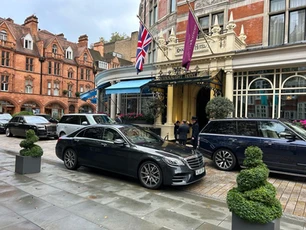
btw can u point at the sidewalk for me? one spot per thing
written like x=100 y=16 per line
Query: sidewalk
x=57 y=198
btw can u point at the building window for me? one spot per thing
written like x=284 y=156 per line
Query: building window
x=81 y=88
x=85 y=57
x=54 y=49
x=208 y=21
x=87 y=88
x=49 y=88
x=57 y=68
x=28 y=86
x=56 y=88
x=4 y=82
x=70 y=74
x=152 y=52
x=88 y=74
x=5 y=58
x=69 y=53
x=172 y=5
x=3 y=35
x=153 y=12
x=50 y=67
x=281 y=11
x=28 y=42
x=70 y=90
x=29 y=64
x=82 y=74
x=102 y=65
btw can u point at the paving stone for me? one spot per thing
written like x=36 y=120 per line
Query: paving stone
x=10 y=219
x=99 y=196
x=71 y=186
x=38 y=189
x=172 y=220
x=25 y=225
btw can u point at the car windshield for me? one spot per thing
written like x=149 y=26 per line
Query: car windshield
x=301 y=131
x=35 y=119
x=138 y=135
x=103 y=119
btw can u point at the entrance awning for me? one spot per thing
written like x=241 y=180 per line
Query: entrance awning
x=132 y=86
x=89 y=94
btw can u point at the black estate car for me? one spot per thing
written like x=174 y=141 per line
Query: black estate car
x=132 y=151
x=282 y=142
x=19 y=124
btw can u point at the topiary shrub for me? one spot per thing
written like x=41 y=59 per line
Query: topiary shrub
x=254 y=199
x=219 y=108
x=29 y=148
x=23 y=113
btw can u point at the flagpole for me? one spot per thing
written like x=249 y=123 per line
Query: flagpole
x=153 y=37
x=199 y=26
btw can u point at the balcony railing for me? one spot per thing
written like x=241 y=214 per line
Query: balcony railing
x=7 y=44
x=53 y=55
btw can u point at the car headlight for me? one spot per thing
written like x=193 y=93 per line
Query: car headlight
x=41 y=127
x=173 y=161
x=1 y=125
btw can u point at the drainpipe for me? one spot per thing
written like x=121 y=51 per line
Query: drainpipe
x=41 y=60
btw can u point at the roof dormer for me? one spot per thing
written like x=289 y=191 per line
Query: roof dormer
x=3 y=35
x=69 y=53
x=28 y=42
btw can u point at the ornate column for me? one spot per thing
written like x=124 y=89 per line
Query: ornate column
x=185 y=102
x=118 y=103
x=113 y=104
x=229 y=84
x=170 y=105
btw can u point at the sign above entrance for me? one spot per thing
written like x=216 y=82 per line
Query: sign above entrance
x=201 y=47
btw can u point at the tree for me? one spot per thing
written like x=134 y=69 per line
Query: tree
x=219 y=108
x=115 y=37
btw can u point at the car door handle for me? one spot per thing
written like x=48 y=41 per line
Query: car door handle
x=232 y=139
x=103 y=144
x=268 y=142
x=76 y=140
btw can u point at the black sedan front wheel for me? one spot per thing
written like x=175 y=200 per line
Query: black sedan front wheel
x=70 y=159
x=150 y=175
x=8 y=132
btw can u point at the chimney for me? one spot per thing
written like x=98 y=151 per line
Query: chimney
x=83 y=41
x=32 y=23
x=99 y=46
x=10 y=20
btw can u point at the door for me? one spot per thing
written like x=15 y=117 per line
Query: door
x=278 y=153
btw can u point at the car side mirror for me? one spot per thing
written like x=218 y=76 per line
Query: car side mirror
x=84 y=123
x=287 y=136
x=119 y=142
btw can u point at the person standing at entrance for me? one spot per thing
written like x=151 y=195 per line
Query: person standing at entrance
x=195 y=132
x=182 y=131
x=176 y=126
x=118 y=118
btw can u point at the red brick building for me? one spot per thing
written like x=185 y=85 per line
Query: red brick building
x=44 y=72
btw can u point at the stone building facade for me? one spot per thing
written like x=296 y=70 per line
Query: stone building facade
x=43 y=72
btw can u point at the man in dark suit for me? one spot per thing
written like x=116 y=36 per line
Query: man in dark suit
x=118 y=118
x=182 y=131
x=195 y=132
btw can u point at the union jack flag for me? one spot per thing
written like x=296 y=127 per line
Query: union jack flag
x=144 y=39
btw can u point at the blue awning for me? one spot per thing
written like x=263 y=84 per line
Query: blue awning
x=132 y=86
x=91 y=93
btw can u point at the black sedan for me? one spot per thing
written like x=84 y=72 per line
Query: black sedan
x=132 y=151
x=4 y=119
x=20 y=124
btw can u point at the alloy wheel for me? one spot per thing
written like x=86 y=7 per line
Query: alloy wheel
x=224 y=159
x=70 y=159
x=8 y=132
x=150 y=175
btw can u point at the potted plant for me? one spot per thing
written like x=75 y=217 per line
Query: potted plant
x=29 y=160
x=77 y=94
x=219 y=108
x=253 y=203
x=65 y=92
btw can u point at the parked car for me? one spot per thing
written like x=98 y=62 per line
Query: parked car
x=48 y=117
x=19 y=124
x=72 y=122
x=133 y=151
x=4 y=119
x=283 y=143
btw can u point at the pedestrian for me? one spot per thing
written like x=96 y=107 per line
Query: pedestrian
x=195 y=131
x=183 y=130
x=176 y=126
x=118 y=118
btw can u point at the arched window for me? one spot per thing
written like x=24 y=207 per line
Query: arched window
x=54 y=49
x=85 y=57
x=3 y=35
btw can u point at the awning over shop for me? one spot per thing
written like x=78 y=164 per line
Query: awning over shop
x=132 y=86
x=91 y=93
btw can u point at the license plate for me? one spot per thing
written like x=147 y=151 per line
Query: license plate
x=199 y=171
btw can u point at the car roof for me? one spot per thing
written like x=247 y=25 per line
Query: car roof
x=76 y=114
x=247 y=119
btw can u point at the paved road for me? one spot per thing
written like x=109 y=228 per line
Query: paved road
x=291 y=190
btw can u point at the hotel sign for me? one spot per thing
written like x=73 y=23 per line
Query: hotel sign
x=199 y=47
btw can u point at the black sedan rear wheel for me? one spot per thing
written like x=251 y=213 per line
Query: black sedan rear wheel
x=70 y=159
x=224 y=159
x=150 y=175
x=8 y=132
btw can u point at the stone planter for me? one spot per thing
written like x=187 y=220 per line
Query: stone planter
x=240 y=224
x=26 y=164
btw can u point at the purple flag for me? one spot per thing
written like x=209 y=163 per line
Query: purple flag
x=191 y=37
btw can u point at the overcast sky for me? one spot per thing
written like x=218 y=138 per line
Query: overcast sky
x=96 y=18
